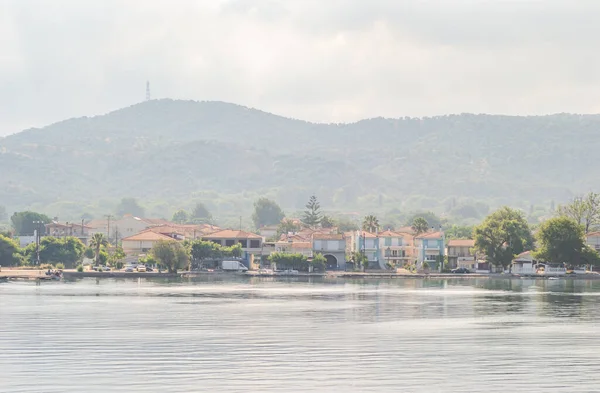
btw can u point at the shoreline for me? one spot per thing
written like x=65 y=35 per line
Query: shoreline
x=17 y=274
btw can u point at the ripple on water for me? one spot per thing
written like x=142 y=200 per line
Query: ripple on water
x=146 y=336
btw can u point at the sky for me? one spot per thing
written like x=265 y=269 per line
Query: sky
x=316 y=60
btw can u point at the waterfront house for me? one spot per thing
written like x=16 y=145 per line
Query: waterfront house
x=430 y=248
x=295 y=247
x=366 y=243
x=143 y=242
x=524 y=263
x=125 y=226
x=251 y=243
x=397 y=248
x=333 y=248
x=593 y=240
x=268 y=231
x=460 y=253
x=75 y=229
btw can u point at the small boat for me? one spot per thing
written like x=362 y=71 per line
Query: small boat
x=54 y=275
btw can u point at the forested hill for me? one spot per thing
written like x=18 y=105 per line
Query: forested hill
x=165 y=149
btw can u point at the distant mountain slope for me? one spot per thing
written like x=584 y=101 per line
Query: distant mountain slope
x=166 y=148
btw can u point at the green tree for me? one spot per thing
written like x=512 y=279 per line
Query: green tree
x=23 y=222
x=180 y=217
x=89 y=253
x=96 y=242
x=170 y=254
x=502 y=235
x=584 y=211
x=9 y=252
x=117 y=255
x=289 y=261
x=561 y=240
x=432 y=219
x=266 y=212
x=459 y=232
x=200 y=214
x=319 y=262
x=345 y=225
x=359 y=259
x=370 y=223
x=312 y=216
x=201 y=251
x=129 y=206
x=287 y=226
x=419 y=225
x=327 y=222
x=53 y=250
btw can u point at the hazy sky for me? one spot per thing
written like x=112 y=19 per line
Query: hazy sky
x=319 y=60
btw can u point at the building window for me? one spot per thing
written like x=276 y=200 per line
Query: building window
x=229 y=242
x=388 y=241
x=254 y=243
x=244 y=243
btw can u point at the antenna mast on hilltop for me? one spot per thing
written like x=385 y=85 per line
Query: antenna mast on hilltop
x=147 y=90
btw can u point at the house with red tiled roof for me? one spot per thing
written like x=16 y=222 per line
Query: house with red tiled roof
x=143 y=242
x=381 y=248
x=333 y=247
x=251 y=243
x=125 y=226
x=430 y=247
x=76 y=229
x=304 y=248
x=461 y=254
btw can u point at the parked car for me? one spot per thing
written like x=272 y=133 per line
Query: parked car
x=149 y=269
x=129 y=269
x=141 y=268
x=101 y=268
x=460 y=270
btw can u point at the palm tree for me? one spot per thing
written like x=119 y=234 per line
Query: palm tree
x=370 y=223
x=420 y=225
x=96 y=242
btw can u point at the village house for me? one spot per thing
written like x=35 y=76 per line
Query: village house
x=397 y=248
x=366 y=243
x=430 y=248
x=251 y=243
x=593 y=240
x=123 y=227
x=461 y=254
x=524 y=263
x=142 y=243
x=75 y=229
x=333 y=248
x=268 y=231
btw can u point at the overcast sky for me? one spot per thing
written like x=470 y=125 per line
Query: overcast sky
x=319 y=60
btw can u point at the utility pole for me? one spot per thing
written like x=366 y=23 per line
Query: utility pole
x=240 y=223
x=116 y=236
x=36 y=233
x=108 y=217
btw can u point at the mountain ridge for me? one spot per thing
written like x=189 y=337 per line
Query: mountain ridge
x=229 y=149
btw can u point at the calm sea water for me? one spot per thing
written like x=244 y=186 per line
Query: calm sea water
x=265 y=335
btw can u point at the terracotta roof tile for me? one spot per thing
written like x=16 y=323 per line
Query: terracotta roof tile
x=327 y=236
x=232 y=234
x=461 y=243
x=148 y=236
x=431 y=235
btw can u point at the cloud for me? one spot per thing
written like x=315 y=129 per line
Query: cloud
x=335 y=60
